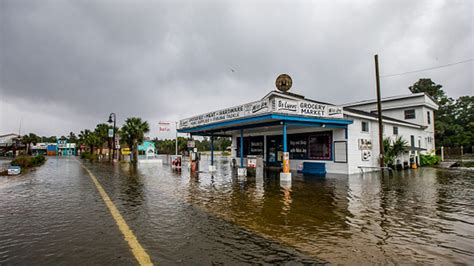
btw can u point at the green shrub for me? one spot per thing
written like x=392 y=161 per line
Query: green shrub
x=429 y=160
x=85 y=155
x=89 y=156
x=22 y=161
x=28 y=161
x=38 y=160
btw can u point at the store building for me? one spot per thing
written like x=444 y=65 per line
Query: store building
x=60 y=148
x=291 y=131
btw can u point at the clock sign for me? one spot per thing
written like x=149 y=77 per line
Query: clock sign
x=283 y=82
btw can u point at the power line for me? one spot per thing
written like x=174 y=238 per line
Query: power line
x=430 y=68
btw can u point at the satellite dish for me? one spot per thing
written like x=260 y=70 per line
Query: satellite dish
x=284 y=82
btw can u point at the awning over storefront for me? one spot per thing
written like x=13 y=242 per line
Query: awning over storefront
x=276 y=108
x=224 y=128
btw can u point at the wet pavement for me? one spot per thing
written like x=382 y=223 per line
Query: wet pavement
x=54 y=215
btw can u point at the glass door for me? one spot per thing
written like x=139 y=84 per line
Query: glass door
x=274 y=150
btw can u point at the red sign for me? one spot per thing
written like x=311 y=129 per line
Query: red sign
x=164 y=126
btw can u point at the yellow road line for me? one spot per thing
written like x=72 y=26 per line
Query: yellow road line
x=137 y=249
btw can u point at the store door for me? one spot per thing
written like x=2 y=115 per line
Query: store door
x=274 y=150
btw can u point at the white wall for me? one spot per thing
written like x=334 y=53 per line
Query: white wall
x=354 y=154
x=355 y=133
x=396 y=109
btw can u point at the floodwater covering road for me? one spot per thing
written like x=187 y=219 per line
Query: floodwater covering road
x=55 y=215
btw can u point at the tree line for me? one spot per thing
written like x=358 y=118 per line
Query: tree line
x=167 y=146
x=132 y=133
x=454 y=120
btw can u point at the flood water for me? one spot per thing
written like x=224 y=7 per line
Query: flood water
x=54 y=215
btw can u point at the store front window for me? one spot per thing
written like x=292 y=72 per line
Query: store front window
x=305 y=146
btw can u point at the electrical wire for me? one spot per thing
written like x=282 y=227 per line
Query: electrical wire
x=426 y=69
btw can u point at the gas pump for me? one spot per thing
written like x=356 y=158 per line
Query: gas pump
x=194 y=157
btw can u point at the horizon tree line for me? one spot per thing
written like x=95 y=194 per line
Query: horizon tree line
x=132 y=133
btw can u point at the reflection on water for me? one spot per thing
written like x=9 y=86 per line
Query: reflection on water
x=54 y=215
x=424 y=215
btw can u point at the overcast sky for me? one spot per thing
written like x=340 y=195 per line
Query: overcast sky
x=65 y=65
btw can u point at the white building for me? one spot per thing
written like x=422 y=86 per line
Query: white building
x=8 y=140
x=340 y=139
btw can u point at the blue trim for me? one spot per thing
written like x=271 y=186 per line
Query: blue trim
x=275 y=117
x=241 y=148
x=312 y=120
x=284 y=138
x=346 y=132
x=306 y=124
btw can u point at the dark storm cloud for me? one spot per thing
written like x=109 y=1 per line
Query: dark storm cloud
x=79 y=60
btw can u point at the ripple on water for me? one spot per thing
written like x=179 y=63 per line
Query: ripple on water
x=415 y=216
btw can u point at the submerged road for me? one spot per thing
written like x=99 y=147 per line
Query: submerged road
x=70 y=212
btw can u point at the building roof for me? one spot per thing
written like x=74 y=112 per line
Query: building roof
x=9 y=135
x=391 y=98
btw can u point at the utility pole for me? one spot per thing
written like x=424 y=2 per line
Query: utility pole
x=176 y=142
x=379 y=110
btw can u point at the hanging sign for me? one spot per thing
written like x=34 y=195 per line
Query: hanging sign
x=111 y=132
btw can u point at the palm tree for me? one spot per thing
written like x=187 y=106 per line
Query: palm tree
x=133 y=133
x=29 y=139
x=72 y=137
x=393 y=150
x=90 y=139
x=102 y=132
x=27 y=142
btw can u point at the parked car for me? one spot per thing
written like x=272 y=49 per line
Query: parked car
x=14 y=170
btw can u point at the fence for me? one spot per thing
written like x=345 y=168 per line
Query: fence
x=455 y=153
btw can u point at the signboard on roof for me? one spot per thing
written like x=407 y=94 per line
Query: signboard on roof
x=307 y=108
x=277 y=105
x=231 y=113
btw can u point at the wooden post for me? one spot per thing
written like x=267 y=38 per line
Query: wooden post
x=379 y=110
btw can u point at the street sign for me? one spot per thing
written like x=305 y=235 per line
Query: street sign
x=111 y=132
